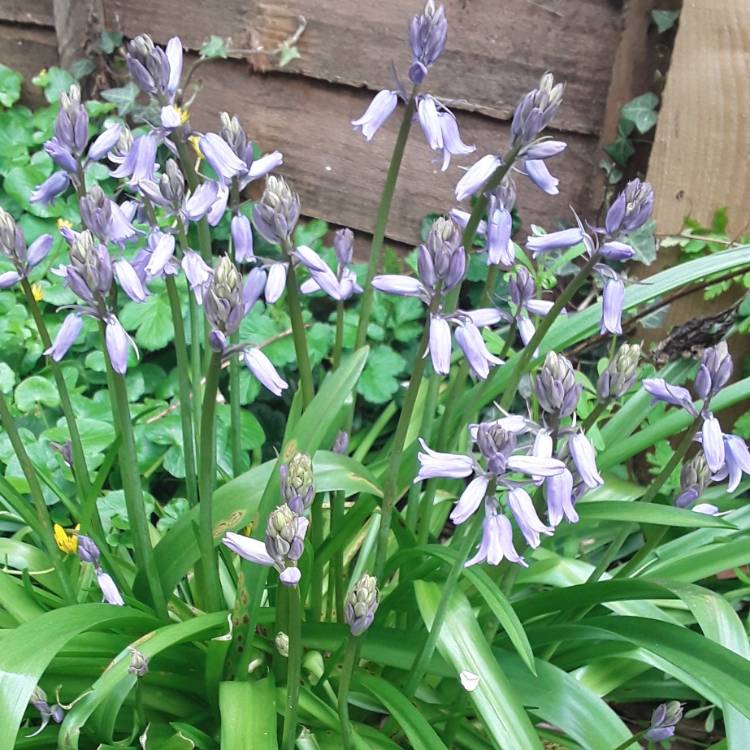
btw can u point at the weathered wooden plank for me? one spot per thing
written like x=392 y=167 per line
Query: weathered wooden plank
x=339 y=176
x=496 y=50
x=77 y=22
x=28 y=50
x=36 y=12
x=701 y=155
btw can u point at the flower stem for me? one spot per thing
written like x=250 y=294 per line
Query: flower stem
x=338 y=512
x=235 y=409
x=317 y=537
x=338 y=345
x=206 y=479
x=132 y=490
x=351 y=658
x=80 y=470
x=628 y=743
x=44 y=528
x=390 y=487
x=462 y=553
x=294 y=668
x=528 y=351
x=381 y=222
x=183 y=382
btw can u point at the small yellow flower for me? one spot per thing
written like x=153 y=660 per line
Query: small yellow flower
x=37 y=291
x=194 y=141
x=184 y=114
x=68 y=543
x=64 y=224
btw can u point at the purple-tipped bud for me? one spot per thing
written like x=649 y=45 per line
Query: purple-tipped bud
x=379 y=110
x=56 y=184
x=446 y=254
x=343 y=244
x=87 y=550
x=341 y=443
x=138 y=663
x=613 y=299
x=427 y=35
x=275 y=215
x=233 y=133
x=556 y=386
x=536 y=110
x=664 y=720
x=521 y=287
x=714 y=370
x=298 y=483
x=361 y=604
x=631 y=209
x=72 y=122
x=620 y=374
x=155 y=71
x=285 y=542
x=223 y=302
x=694 y=478
x=242 y=239
x=260 y=366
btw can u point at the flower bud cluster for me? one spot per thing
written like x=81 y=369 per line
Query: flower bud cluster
x=427 y=35
x=556 y=386
x=276 y=214
x=620 y=374
x=13 y=247
x=154 y=70
x=536 y=111
x=361 y=604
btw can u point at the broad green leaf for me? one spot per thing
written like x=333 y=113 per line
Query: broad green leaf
x=461 y=642
x=151 y=320
x=641 y=111
x=117 y=681
x=215 y=47
x=417 y=729
x=561 y=700
x=706 y=561
x=664 y=20
x=248 y=715
x=54 y=81
x=379 y=380
x=16 y=601
x=635 y=512
x=10 y=86
x=29 y=648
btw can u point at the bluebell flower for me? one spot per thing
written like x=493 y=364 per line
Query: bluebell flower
x=378 y=111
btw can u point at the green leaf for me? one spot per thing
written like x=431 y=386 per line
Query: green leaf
x=644 y=243
x=215 y=47
x=36 y=390
x=287 y=53
x=664 y=20
x=54 y=81
x=151 y=320
x=10 y=86
x=248 y=715
x=641 y=111
x=28 y=649
x=379 y=380
x=651 y=513
x=417 y=729
x=461 y=643
x=7 y=378
x=20 y=182
x=123 y=98
x=109 y=41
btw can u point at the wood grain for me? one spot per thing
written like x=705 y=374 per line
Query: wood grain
x=36 y=12
x=339 y=176
x=496 y=51
x=28 y=50
x=701 y=155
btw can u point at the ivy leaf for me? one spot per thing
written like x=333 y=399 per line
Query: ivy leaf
x=36 y=390
x=644 y=243
x=53 y=82
x=379 y=380
x=641 y=111
x=215 y=47
x=664 y=20
x=151 y=320
x=620 y=151
x=109 y=41
x=123 y=97
x=10 y=86
x=287 y=53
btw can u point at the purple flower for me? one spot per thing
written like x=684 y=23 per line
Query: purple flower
x=555 y=240
x=675 y=395
x=66 y=337
x=201 y=200
x=541 y=150
x=380 y=109
x=61 y=155
x=197 y=272
x=664 y=719
x=500 y=250
x=472 y=344
x=242 y=239
x=56 y=184
x=440 y=344
x=105 y=218
x=220 y=156
x=449 y=465
x=118 y=343
x=713 y=442
x=161 y=254
x=538 y=173
x=324 y=277
x=427 y=35
x=714 y=370
x=452 y=143
x=129 y=281
x=262 y=166
x=558 y=493
x=249 y=549
x=9 y=279
x=522 y=507
x=631 y=209
x=613 y=299
x=476 y=176
x=260 y=366
x=584 y=458
x=737 y=460
x=403 y=286
x=496 y=543
x=616 y=251
x=430 y=122
x=276 y=282
x=140 y=162
x=110 y=592
x=155 y=71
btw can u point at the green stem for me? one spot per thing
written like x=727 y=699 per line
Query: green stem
x=528 y=351
x=212 y=599
x=593 y=416
x=338 y=513
x=347 y=671
x=462 y=553
x=132 y=490
x=183 y=382
x=339 y=343
x=80 y=470
x=628 y=743
x=235 y=409
x=35 y=490
x=294 y=668
x=317 y=537
x=390 y=487
x=298 y=330
x=381 y=222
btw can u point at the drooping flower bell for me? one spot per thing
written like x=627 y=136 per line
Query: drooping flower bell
x=361 y=604
x=47 y=713
x=298 y=483
x=664 y=721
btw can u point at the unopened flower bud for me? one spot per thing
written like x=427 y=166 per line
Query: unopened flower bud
x=664 y=719
x=8 y=234
x=87 y=549
x=234 y=134
x=536 y=110
x=281 y=641
x=172 y=183
x=343 y=243
x=285 y=542
x=521 y=287
x=694 y=478
x=72 y=122
x=620 y=374
x=91 y=269
x=341 y=443
x=556 y=386
x=714 y=370
x=493 y=441
x=361 y=604
x=297 y=483
x=223 y=300
x=138 y=662
x=275 y=215
x=427 y=35
x=631 y=209
x=442 y=259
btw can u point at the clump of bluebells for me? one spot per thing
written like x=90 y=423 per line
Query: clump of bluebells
x=502 y=425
